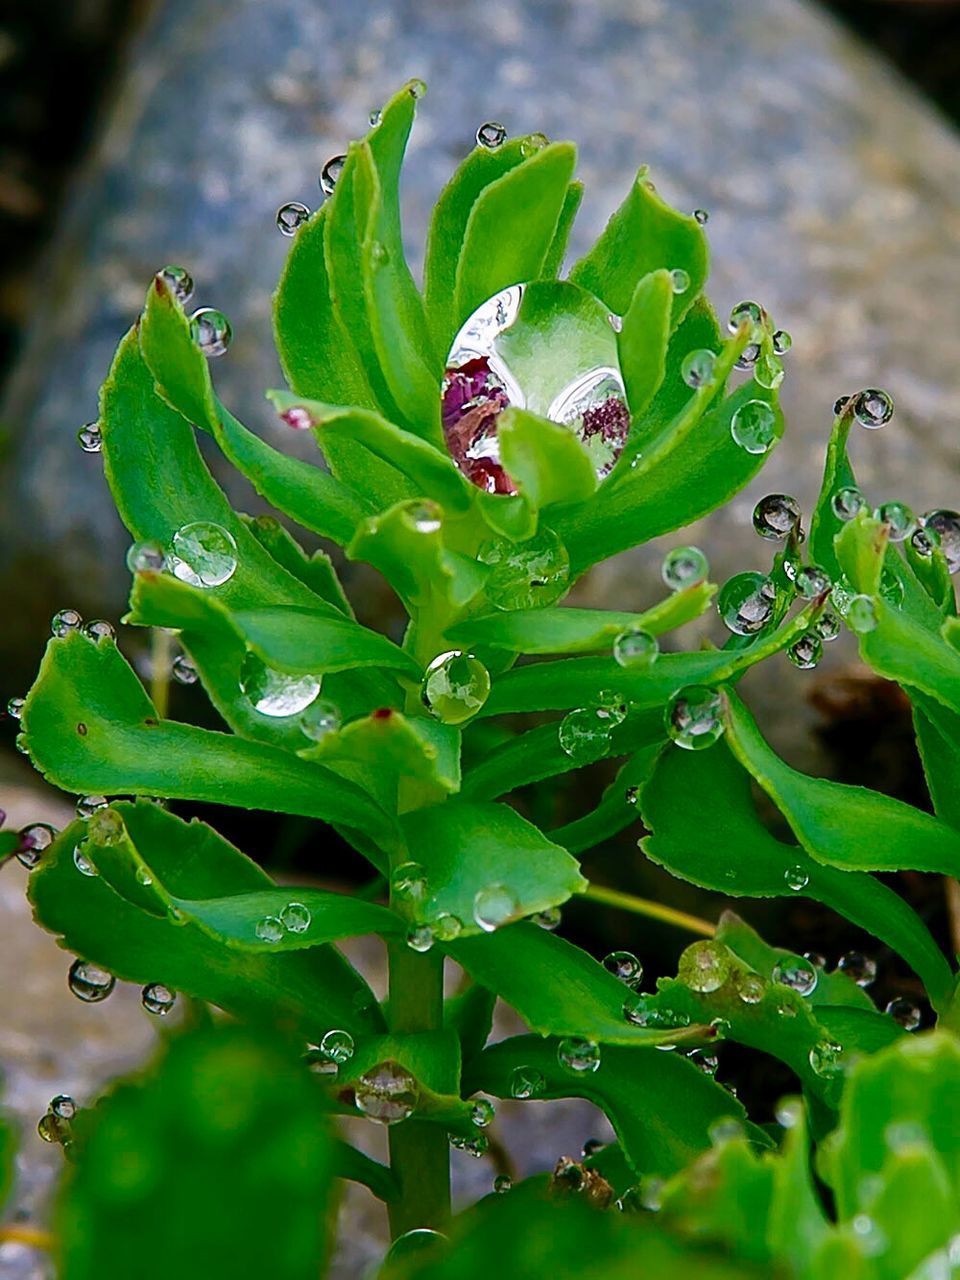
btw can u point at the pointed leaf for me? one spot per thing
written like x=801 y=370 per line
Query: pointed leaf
x=546 y=461
x=643 y=338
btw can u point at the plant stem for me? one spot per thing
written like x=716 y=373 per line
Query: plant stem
x=32 y=1237
x=419 y=1152
x=653 y=910
x=161 y=647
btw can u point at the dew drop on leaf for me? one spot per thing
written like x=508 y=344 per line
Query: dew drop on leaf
x=211 y=331
x=32 y=841
x=319 y=719
x=704 y=966
x=421 y=938
x=158 y=999
x=776 y=516
x=749 y=313
x=749 y=987
x=694 y=717
x=295 y=917
x=679 y=280
x=861 y=614
x=701 y=216
x=684 y=567
x=491 y=135
x=549 y=919
x=455 y=686
x=635 y=647
x=338 y=1046
x=745 y=603
x=861 y=968
x=269 y=929
x=178 y=281
x=409 y=882
x=753 y=426
x=291 y=217
x=275 y=693
x=847 y=502
x=183 y=670
x=482 y=1112
x=526 y=1082
x=898 y=518
x=904 y=1012
x=493 y=906
x=83 y=863
x=98 y=630
x=146 y=557
x=825 y=1058
x=578 y=1055
x=89 y=437
x=15 y=708
x=811 y=581
x=526 y=575
x=796 y=878
x=796 y=973
x=625 y=966
x=872 y=408
x=806 y=652
x=502 y=1183
x=697 y=367
x=387 y=1093
x=204 y=554
x=330 y=172
x=945 y=526
x=89 y=982
x=65 y=621
x=584 y=734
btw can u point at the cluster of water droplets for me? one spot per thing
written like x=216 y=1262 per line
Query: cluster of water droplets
x=56 y=1125
x=294 y=918
x=586 y=733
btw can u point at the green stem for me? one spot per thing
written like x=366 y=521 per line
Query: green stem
x=419 y=1152
x=652 y=910
x=161 y=648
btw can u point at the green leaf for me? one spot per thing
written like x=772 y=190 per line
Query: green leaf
x=353 y=1165
x=179 y=1136
x=558 y=245
x=316 y=571
x=617 y=807
x=308 y=991
x=469 y=851
x=938 y=741
x=545 y=460
x=825 y=524
x=556 y=988
x=763 y=865
x=658 y=1136
x=644 y=235
x=9 y=844
x=470 y=1015
x=568 y=630
x=511 y=227
x=643 y=339
x=697 y=331
x=124 y=748
x=8 y=1150
x=432 y=1058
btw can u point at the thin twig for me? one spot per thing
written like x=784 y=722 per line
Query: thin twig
x=33 y=1237
x=161 y=648
x=653 y=910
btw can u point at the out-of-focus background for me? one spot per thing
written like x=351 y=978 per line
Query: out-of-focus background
x=822 y=138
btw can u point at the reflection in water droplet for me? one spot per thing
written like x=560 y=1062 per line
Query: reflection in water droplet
x=861 y=614
x=684 y=567
x=625 y=966
x=825 y=1058
x=482 y=1112
x=861 y=968
x=491 y=134
x=811 y=581
x=98 y=630
x=827 y=626
x=420 y=938
x=337 y=1046
x=319 y=719
x=796 y=973
x=694 y=717
x=776 y=516
x=595 y=409
x=387 y=1093
x=446 y=927
x=697 y=367
x=635 y=647
x=426 y=517
x=578 y=1055
x=749 y=313
x=90 y=438
x=183 y=670
x=53 y=1128
x=269 y=929
x=15 y=708
x=704 y=966
x=526 y=575
x=158 y=999
x=146 y=557
x=88 y=805
x=455 y=686
x=796 y=878
x=295 y=917
x=409 y=882
x=205 y=554
x=527 y=1082
x=32 y=841
x=275 y=693
x=904 y=1012
x=89 y=982
x=806 y=652
x=549 y=919
x=330 y=173
x=83 y=863
x=749 y=987
x=291 y=217
x=847 y=502
x=679 y=280
x=782 y=342
x=211 y=331
x=753 y=426
x=745 y=603
x=179 y=282
x=495 y=905
x=872 y=408
x=65 y=621
x=945 y=526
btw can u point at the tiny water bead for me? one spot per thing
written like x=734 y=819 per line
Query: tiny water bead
x=776 y=516
x=861 y=614
x=945 y=526
x=806 y=652
x=179 y=281
x=387 y=1093
x=753 y=426
x=526 y=575
x=702 y=216
x=88 y=805
x=625 y=966
x=338 y=1046
x=211 y=331
x=697 y=367
x=782 y=342
x=275 y=693
x=578 y=1055
x=426 y=517
x=476 y=1146
x=704 y=966
x=420 y=938
x=409 y=882
x=825 y=1058
x=269 y=929
x=183 y=670
x=205 y=554
x=635 y=647
x=847 y=502
x=90 y=438
x=745 y=603
x=491 y=135
x=684 y=567
x=295 y=917
x=584 y=734
x=98 y=630
x=796 y=973
x=502 y=1183
x=549 y=919
x=861 y=968
x=694 y=717
x=827 y=626
x=446 y=927
x=105 y=827
x=319 y=719
x=749 y=987
x=330 y=172
x=679 y=280
x=291 y=217
x=15 y=708
x=482 y=1112
x=898 y=518
x=812 y=581
x=146 y=557
x=455 y=686
x=89 y=982
x=527 y=1082
x=65 y=621
x=32 y=841
x=872 y=408
x=904 y=1012
x=796 y=878
x=493 y=906
x=746 y=313
x=83 y=863
x=158 y=999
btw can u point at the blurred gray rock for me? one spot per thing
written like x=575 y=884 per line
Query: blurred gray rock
x=832 y=189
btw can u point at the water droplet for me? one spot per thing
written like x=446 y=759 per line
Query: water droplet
x=862 y=969
x=270 y=929
x=704 y=966
x=495 y=905
x=91 y=441
x=748 y=356
x=725 y=1129
x=584 y=734
x=861 y=614
x=578 y=1055
x=65 y=621
x=923 y=542
x=387 y=1093
x=51 y=1128
x=533 y=143
x=625 y=966
x=745 y=603
x=83 y=863
x=291 y=217
x=145 y=878
x=409 y=882
x=825 y=1058
x=945 y=526
x=319 y=719
x=782 y=342
x=205 y=554
x=105 y=827
x=375 y=117
x=158 y=999
x=749 y=987
x=702 y=216
x=88 y=805
x=338 y=1046
x=295 y=917
x=812 y=581
x=275 y=693
x=502 y=1183
x=146 y=557
x=872 y=408
x=679 y=280
x=898 y=518
x=827 y=626
x=527 y=575
x=482 y=1112
x=796 y=878
x=32 y=841
x=697 y=367
x=211 y=331
x=632 y=795
x=635 y=647
x=776 y=516
x=684 y=567
x=98 y=630
x=796 y=973
x=420 y=938
x=417 y=88
x=183 y=670
x=15 y=708
x=594 y=407
x=847 y=502
x=526 y=1082
x=749 y=313
x=904 y=1012
x=476 y=1146
x=330 y=172
x=549 y=919
x=63 y=1107
x=491 y=135
x=753 y=426
x=446 y=927
x=455 y=686
x=89 y=982
x=694 y=718
x=179 y=282
x=425 y=517
x=806 y=652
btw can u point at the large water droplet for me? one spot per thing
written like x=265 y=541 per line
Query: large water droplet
x=420 y=938
x=89 y=982
x=753 y=426
x=526 y=575
x=275 y=693
x=387 y=1093
x=898 y=518
x=409 y=882
x=578 y=1055
x=269 y=929
x=295 y=917
x=158 y=999
x=491 y=134
x=776 y=516
x=495 y=905
x=54 y=1129
x=745 y=603
x=88 y=805
x=205 y=554
x=211 y=331
x=65 y=621
x=625 y=966
x=146 y=557
x=796 y=973
x=697 y=367
x=694 y=717
x=747 y=313
x=527 y=1082
x=684 y=567
x=338 y=1046
x=847 y=502
x=861 y=614
x=32 y=841
x=179 y=281
x=945 y=525
x=98 y=630
x=904 y=1012
x=861 y=968
x=291 y=217
x=105 y=827
x=330 y=172
x=89 y=437
x=825 y=1058
x=704 y=966
x=455 y=686
x=635 y=647
x=584 y=734
x=872 y=408
x=806 y=652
